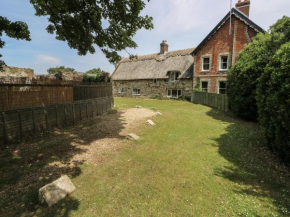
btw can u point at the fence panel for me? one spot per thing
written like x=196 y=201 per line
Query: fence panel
x=218 y=101
x=14 y=96
x=15 y=124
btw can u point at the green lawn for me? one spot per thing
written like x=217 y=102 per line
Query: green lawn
x=196 y=161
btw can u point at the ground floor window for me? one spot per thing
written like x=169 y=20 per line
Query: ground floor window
x=204 y=86
x=222 y=87
x=136 y=91
x=174 y=93
x=121 y=90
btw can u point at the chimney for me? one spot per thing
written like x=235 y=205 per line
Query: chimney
x=164 y=47
x=244 y=7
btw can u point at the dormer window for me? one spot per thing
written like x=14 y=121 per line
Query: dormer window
x=173 y=76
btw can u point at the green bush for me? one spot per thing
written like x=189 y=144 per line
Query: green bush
x=273 y=96
x=243 y=76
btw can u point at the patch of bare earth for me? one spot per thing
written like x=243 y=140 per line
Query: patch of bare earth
x=97 y=150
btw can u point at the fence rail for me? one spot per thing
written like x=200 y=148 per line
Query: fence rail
x=15 y=124
x=218 y=101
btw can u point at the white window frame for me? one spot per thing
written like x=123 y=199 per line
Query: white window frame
x=222 y=88
x=209 y=64
x=173 y=75
x=203 y=88
x=121 y=90
x=220 y=62
x=138 y=92
x=170 y=95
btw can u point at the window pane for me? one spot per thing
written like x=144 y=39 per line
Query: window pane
x=171 y=76
x=174 y=93
x=176 y=76
x=179 y=93
x=224 y=62
x=206 y=63
x=204 y=86
x=168 y=92
x=222 y=84
x=222 y=87
x=206 y=60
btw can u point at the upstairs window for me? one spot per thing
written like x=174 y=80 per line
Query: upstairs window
x=205 y=63
x=136 y=92
x=222 y=87
x=204 y=86
x=224 y=63
x=155 y=81
x=173 y=76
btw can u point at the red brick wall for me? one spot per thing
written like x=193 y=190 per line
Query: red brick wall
x=222 y=43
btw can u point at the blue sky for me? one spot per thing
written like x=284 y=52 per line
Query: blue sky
x=183 y=23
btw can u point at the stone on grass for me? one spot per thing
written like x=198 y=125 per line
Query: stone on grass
x=138 y=106
x=150 y=123
x=158 y=114
x=133 y=137
x=53 y=192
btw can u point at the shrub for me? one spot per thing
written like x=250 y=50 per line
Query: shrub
x=243 y=76
x=273 y=97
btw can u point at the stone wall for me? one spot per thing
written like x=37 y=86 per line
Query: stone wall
x=150 y=89
x=16 y=72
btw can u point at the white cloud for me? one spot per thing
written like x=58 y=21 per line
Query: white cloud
x=48 y=59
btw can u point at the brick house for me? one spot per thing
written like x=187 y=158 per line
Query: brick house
x=175 y=73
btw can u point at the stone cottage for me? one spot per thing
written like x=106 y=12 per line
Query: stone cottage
x=175 y=73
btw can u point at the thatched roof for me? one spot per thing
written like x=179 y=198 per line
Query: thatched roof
x=155 y=66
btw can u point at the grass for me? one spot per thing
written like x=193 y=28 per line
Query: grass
x=196 y=161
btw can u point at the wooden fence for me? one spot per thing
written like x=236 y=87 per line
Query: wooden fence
x=15 y=124
x=218 y=101
x=14 y=96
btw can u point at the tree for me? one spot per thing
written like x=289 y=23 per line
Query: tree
x=83 y=24
x=243 y=76
x=53 y=71
x=96 y=75
x=110 y=25
x=18 y=30
x=273 y=97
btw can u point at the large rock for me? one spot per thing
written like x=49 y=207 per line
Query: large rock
x=158 y=114
x=150 y=123
x=54 y=192
x=133 y=137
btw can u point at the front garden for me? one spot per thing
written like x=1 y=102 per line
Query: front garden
x=196 y=161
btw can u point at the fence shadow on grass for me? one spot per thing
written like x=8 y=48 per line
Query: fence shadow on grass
x=255 y=167
x=27 y=166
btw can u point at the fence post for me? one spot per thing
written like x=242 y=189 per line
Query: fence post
x=4 y=127
x=65 y=115
x=20 y=123
x=74 y=115
x=33 y=121
x=56 y=116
